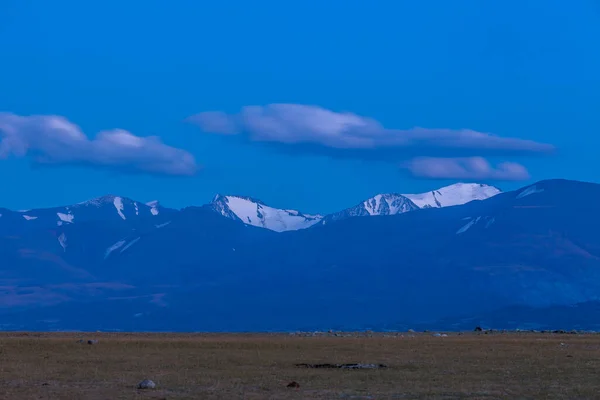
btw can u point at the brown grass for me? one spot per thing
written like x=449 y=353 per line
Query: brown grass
x=509 y=366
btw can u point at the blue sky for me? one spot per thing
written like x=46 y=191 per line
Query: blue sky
x=526 y=70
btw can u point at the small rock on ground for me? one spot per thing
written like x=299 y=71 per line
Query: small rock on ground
x=146 y=384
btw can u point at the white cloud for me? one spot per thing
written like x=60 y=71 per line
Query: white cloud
x=51 y=139
x=465 y=168
x=313 y=125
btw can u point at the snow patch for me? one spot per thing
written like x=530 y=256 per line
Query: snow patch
x=137 y=211
x=161 y=225
x=134 y=241
x=473 y=221
x=118 y=202
x=529 y=191
x=62 y=240
x=153 y=207
x=467 y=226
x=112 y=248
x=29 y=217
x=65 y=217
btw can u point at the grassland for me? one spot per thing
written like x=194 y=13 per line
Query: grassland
x=510 y=366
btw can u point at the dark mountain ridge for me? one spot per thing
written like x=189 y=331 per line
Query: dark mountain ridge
x=194 y=269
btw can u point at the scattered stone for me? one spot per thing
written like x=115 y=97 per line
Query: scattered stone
x=343 y=366
x=478 y=329
x=45 y=384
x=146 y=384
x=294 y=385
x=362 y=366
x=91 y=342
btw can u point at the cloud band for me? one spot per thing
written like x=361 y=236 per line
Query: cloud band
x=51 y=139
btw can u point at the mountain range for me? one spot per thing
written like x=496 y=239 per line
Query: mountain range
x=466 y=252
x=256 y=213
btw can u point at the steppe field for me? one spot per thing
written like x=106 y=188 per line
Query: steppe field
x=231 y=366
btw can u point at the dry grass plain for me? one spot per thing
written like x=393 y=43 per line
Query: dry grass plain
x=202 y=366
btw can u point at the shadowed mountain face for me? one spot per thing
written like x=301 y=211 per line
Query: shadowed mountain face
x=199 y=269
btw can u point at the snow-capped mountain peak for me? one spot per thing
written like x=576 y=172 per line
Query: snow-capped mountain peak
x=109 y=207
x=254 y=212
x=388 y=204
x=381 y=204
x=251 y=211
x=121 y=206
x=99 y=201
x=453 y=195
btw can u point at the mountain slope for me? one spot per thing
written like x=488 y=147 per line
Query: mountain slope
x=255 y=213
x=457 y=194
x=529 y=248
x=116 y=209
x=382 y=204
x=109 y=207
x=538 y=251
x=72 y=241
x=393 y=203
